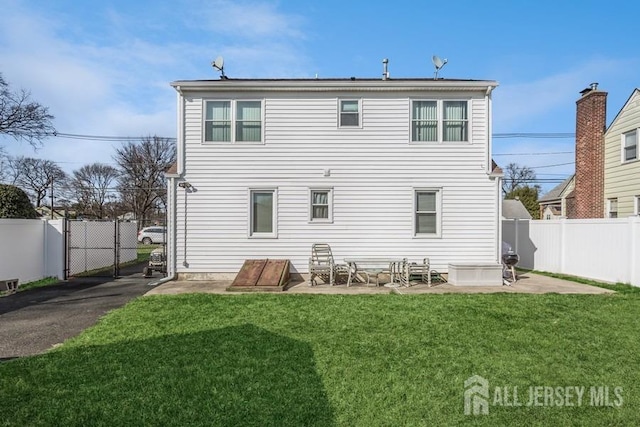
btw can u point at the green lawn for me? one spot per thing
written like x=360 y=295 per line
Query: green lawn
x=303 y=360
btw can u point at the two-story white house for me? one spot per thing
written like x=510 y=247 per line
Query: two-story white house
x=373 y=167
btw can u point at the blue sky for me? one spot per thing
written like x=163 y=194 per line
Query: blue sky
x=103 y=68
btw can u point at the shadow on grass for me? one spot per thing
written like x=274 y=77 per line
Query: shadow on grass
x=241 y=375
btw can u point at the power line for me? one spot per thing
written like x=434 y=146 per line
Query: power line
x=108 y=138
x=533 y=154
x=549 y=135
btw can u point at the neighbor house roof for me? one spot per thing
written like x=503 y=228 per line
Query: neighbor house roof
x=514 y=209
x=556 y=192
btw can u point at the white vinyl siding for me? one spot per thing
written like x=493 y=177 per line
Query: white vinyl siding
x=233 y=121
x=372 y=173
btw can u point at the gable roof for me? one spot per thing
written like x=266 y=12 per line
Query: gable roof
x=635 y=92
x=556 y=192
x=514 y=209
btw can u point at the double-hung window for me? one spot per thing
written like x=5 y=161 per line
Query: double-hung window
x=263 y=213
x=612 y=207
x=424 y=121
x=630 y=146
x=439 y=120
x=320 y=205
x=427 y=212
x=349 y=113
x=233 y=121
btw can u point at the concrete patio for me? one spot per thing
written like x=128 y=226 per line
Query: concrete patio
x=528 y=283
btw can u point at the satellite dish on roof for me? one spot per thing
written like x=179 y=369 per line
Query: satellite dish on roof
x=218 y=64
x=438 y=63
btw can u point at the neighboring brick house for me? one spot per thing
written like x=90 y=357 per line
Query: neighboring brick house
x=606 y=183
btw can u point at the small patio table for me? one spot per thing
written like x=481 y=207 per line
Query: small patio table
x=373 y=266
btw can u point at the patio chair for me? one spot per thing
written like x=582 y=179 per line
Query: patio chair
x=423 y=270
x=322 y=265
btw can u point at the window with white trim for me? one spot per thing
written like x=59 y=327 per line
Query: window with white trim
x=349 y=113
x=439 y=120
x=233 y=121
x=630 y=146
x=612 y=208
x=263 y=213
x=321 y=205
x=427 y=212
x=636 y=205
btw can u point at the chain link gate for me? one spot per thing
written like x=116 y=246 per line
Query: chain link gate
x=99 y=247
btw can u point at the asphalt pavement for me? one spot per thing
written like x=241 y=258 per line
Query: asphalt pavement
x=35 y=320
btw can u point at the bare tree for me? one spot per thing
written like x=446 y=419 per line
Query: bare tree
x=36 y=176
x=22 y=118
x=516 y=176
x=141 y=183
x=92 y=185
x=4 y=165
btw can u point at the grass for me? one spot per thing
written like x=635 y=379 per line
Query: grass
x=47 y=281
x=324 y=360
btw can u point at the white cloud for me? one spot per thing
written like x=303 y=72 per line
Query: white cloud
x=526 y=103
x=112 y=77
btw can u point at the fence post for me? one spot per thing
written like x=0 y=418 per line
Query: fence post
x=634 y=266
x=563 y=245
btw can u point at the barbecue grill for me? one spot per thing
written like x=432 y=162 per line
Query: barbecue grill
x=509 y=260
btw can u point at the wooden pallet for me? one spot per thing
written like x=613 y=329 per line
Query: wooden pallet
x=270 y=275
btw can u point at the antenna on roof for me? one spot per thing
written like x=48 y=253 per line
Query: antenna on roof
x=438 y=63
x=385 y=69
x=218 y=64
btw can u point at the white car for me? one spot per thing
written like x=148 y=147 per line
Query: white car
x=152 y=235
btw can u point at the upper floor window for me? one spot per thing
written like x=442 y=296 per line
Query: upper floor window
x=233 y=121
x=349 y=113
x=433 y=121
x=630 y=146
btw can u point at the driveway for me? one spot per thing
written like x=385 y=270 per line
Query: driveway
x=33 y=321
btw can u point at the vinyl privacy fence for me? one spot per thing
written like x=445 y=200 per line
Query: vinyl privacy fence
x=32 y=249
x=599 y=249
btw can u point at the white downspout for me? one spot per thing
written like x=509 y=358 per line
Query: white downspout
x=498 y=247
x=172 y=203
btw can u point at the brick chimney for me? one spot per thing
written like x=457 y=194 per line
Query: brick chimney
x=591 y=121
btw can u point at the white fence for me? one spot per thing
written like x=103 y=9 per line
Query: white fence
x=32 y=249
x=599 y=249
